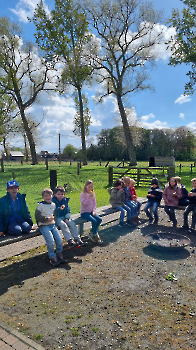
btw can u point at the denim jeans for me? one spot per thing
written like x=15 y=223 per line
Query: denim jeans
x=133 y=206
x=154 y=207
x=191 y=207
x=94 y=219
x=18 y=226
x=52 y=236
x=69 y=230
x=122 y=210
x=170 y=210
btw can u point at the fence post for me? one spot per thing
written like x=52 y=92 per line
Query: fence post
x=78 y=168
x=46 y=163
x=110 y=175
x=138 y=176
x=2 y=166
x=53 y=179
x=191 y=167
x=171 y=171
x=13 y=175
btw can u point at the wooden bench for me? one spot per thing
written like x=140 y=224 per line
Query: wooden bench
x=107 y=213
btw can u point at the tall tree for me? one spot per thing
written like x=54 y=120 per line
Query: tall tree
x=23 y=75
x=184 y=45
x=65 y=33
x=129 y=40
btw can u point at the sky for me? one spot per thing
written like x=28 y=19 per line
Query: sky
x=165 y=107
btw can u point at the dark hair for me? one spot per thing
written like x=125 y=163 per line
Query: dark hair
x=59 y=188
x=118 y=183
x=174 y=180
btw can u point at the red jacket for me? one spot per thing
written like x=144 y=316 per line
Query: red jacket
x=133 y=193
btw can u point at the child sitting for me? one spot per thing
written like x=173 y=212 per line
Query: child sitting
x=191 y=207
x=15 y=217
x=134 y=195
x=117 y=197
x=171 y=196
x=88 y=211
x=130 y=203
x=63 y=218
x=44 y=215
x=154 y=197
x=184 y=193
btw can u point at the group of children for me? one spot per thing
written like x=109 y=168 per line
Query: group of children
x=54 y=211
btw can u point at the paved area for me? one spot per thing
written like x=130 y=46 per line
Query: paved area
x=11 y=339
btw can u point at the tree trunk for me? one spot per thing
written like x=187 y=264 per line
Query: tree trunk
x=5 y=149
x=127 y=131
x=26 y=150
x=84 y=153
x=29 y=137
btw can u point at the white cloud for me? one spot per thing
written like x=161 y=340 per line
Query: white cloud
x=183 y=99
x=192 y=126
x=25 y=8
x=144 y=118
x=157 y=124
x=181 y=116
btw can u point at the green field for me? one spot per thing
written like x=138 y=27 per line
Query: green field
x=33 y=178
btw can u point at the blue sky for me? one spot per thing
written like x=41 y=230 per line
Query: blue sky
x=165 y=107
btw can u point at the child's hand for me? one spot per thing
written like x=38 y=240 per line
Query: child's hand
x=66 y=221
x=175 y=194
x=2 y=234
x=191 y=194
x=62 y=207
x=94 y=213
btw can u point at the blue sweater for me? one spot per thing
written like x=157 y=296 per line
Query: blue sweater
x=62 y=213
x=157 y=192
x=6 y=211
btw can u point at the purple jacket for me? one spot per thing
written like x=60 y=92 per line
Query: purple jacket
x=169 y=197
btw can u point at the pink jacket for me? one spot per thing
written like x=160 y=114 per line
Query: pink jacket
x=169 y=197
x=88 y=203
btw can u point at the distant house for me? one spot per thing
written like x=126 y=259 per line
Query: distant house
x=14 y=156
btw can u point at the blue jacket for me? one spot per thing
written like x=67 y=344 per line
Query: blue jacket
x=5 y=211
x=62 y=213
x=192 y=200
x=157 y=192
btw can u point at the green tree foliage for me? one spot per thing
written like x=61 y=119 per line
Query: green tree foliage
x=70 y=151
x=23 y=75
x=184 y=45
x=129 y=41
x=65 y=34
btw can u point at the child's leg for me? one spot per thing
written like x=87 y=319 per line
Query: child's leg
x=186 y=213
x=58 y=239
x=147 y=206
x=18 y=226
x=64 y=227
x=139 y=204
x=155 y=211
x=73 y=229
x=193 y=218
x=129 y=212
x=47 y=233
x=95 y=221
x=167 y=210
x=98 y=221
x=132 y=207
x=122 y=213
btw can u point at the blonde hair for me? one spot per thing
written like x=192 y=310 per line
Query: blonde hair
x=126 y=179
x=88 y=182
x=47 y=191
x=132 y=181
x=193 y=180
x=178 y=179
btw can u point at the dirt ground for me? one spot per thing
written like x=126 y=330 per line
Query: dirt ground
x=114 y=296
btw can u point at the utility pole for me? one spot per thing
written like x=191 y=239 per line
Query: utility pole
x=59 y=148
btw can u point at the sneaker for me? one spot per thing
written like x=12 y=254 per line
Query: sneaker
x=136 y=219
x=54 y=261
x=95 y=238
x=129 y=222
x=80 y=243
x=71 y=244
x=61 y=259
x=150 y=220
x=133 y=222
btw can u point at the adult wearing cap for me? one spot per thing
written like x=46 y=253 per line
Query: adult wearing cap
x=15 y=217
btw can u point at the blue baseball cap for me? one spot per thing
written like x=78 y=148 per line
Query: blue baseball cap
x=12 y=183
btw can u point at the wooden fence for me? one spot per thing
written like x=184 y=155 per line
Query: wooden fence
x=142 y=176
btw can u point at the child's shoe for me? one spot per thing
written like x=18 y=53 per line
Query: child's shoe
x=54 y=262
x=80 y=243
x=95 y=238
x=60 y=258
x=136 y=219
x=150 y=220
x=133 y=221
x=71 y=244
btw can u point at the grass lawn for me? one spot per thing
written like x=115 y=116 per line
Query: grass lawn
x=33 y=178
